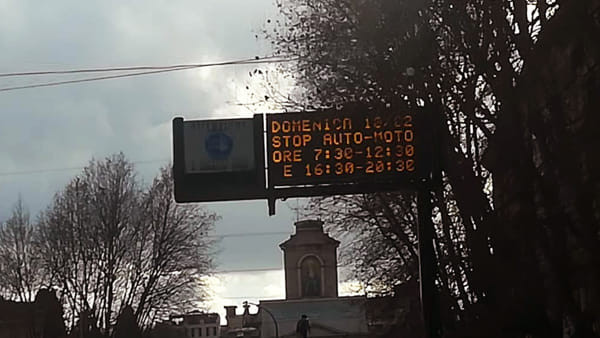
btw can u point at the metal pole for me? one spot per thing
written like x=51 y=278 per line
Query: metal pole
x=427 y=265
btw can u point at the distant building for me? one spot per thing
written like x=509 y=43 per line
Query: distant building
x=199 y=324
x=328 y=317
x=398 y=315
x=194 y=324
x=310 y=262
x=243 y=325
x=311 y=287
x=18 y=319
x=40 y=318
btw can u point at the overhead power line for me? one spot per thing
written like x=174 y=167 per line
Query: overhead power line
x=148 y=70
x=265 y=59
x=251 y=270
x=41 y=171
x=252 y=234
x=58 y=83
x=263 y=297
x=93 y=70
x=266 y=269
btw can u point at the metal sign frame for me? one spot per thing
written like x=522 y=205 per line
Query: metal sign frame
x=259 y=183
x=225 y=186
x=253 y=184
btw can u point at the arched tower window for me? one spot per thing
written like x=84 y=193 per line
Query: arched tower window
x=310 y=276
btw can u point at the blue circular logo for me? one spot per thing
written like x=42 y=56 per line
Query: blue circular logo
x=218 y=145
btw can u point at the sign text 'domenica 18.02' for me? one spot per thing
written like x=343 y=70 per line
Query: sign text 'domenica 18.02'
x=331 y=147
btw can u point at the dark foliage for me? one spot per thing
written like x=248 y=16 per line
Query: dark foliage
x=511 y=87
x=51 y=311
x=106 y=243
x=126 y=325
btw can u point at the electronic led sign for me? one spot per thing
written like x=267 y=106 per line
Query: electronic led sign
x=336 y=147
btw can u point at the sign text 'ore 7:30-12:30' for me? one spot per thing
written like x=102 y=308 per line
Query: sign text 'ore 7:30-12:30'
x=322 y=147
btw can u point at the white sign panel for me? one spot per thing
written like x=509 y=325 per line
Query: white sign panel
x=218 y=145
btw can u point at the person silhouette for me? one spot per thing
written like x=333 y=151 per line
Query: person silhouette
x=303 y=327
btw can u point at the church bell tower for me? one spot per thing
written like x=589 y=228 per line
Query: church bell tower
x=310 y=262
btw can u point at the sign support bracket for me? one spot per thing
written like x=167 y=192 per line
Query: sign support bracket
x=426 y=235
x=271 y=200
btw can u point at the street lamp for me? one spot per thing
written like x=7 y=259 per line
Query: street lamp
x=270 y=314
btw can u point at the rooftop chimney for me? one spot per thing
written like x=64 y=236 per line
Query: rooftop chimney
x=309 y=225
x=230 y=311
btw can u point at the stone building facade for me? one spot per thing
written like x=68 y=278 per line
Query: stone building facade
x=40 y=318
x=195 y=324
x=310 y=262
x=311 y=286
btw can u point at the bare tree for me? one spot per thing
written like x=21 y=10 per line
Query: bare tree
x=378 y=234
x=20 y=266
x=85 y=233
x=110 y=244
x=169 y=254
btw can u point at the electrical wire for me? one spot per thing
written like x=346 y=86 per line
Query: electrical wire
x=266 y=269
x=98 y=78
x=257 y=59
x=250 y=270
x=251 y=234
x=265 y=297
x=58 y=83
x=92 y=70
x=41 y=171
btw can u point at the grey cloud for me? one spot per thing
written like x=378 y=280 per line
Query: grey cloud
x=66 y=126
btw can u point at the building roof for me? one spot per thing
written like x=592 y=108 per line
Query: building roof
x=308 y=232
x=340 y=315
x=16 y=312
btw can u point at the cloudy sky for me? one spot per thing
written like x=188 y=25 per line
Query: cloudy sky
x=48 y=134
